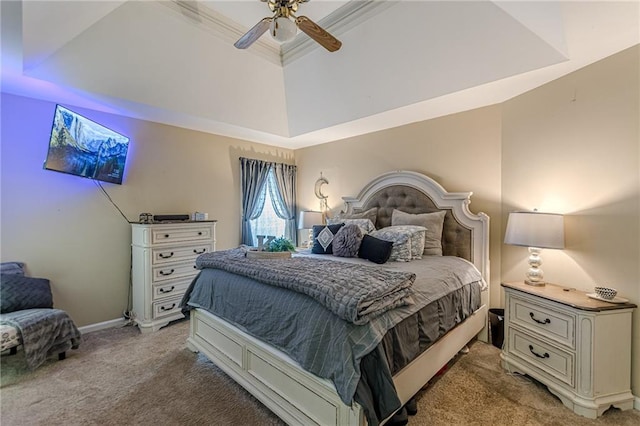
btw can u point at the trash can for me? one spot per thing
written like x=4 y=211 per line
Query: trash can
x=496 y=322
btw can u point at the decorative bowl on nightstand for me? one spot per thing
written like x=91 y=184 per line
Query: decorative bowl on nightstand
x=606 y=292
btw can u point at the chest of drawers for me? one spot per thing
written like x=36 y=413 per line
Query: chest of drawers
x=163 y=266
x=577 y=346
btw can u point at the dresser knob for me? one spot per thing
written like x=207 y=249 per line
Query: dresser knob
x=167 y=273
x=162 y=255
x=546 y=321
x=166 y=235
x=199 y=252
x=162 y=290
x=200 y=233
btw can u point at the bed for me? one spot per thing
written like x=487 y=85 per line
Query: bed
x=281 y=376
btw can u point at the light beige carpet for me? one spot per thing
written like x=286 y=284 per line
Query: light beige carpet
x=122 y=377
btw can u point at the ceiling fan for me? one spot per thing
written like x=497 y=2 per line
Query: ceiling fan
x=282 y=26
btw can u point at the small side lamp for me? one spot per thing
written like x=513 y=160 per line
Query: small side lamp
x=535 y=230
x=306 y=220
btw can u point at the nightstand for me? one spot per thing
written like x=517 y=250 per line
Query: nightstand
x=579 y=347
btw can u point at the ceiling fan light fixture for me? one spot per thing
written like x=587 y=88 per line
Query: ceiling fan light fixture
x=283 y=29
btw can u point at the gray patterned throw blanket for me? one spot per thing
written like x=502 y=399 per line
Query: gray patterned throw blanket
x=44 y=332
x=355 y=293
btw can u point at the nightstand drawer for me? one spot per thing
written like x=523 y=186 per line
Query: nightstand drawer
x=549 y=359
x=543 y=320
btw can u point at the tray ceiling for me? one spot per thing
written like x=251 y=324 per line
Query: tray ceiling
x=401 y=62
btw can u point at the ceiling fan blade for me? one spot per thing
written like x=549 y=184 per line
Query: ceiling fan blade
x=253 y=34
x=316 y=32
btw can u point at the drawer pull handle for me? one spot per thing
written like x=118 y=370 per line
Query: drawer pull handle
x=164 y=308
x=162 y=255
x=162 y=290
x=166 y=235
x=200 y=233
x=199 y=252
x=546 y=354
x=167 y=273
x=546 y=321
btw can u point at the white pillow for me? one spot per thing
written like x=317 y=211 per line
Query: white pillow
x=401 y=239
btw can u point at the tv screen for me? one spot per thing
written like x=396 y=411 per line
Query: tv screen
x=82 y=147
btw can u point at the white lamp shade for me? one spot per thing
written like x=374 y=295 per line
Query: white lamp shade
x=535 y=229
x=283 y=29
x=307 y=219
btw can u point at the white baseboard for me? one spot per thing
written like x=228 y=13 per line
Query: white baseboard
x=119 y=322
x=636 y=403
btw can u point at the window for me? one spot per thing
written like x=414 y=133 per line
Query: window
x=268 y=223
x=268 y=200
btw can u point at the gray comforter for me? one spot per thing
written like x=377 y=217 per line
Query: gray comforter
x=356 y=293
x=321 y=342
x=44 y=332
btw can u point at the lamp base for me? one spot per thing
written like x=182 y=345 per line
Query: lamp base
x=535 y=283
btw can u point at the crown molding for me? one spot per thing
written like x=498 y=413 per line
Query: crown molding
x=219 y=25
x=338 y=22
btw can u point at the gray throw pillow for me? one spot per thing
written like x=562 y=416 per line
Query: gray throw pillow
x=18 y=292
x=347 y=240
x=370 y=214
x=434 y=223
x=12 y=268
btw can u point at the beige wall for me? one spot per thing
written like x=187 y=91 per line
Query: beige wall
x=66 y=230
x=461 y=152
x=573 y=147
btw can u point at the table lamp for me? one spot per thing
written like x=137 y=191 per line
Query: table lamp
x=306 y=220
x=536 y=231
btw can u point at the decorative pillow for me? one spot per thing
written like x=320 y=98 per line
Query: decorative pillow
x=323 y=238
x=370 y=214
x=417 y=238
x=347 y=241
x=375 y=249
x=12 y=268
x=432 y=221
x=401 y=240
x=365 y=225
x=18 y=292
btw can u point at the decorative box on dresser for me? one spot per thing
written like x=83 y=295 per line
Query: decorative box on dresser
x=579 y=347
x=163 y=266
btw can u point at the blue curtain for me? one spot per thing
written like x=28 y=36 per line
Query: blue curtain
x=285 y=179
x=253 y=177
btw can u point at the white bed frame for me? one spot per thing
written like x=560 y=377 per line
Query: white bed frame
x=301 y=398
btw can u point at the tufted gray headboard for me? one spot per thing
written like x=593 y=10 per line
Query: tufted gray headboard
x=456 y=238
x=465 y=234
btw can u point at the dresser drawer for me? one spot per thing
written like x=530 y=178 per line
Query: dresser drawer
x=548 y=358
x=167 y=307
x=161 y=256
x=180 y=234
x=173 y=271
x=543 y=320
x=170 y=289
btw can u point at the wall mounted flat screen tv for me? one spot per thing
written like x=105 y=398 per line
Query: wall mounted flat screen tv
x=82 y=147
